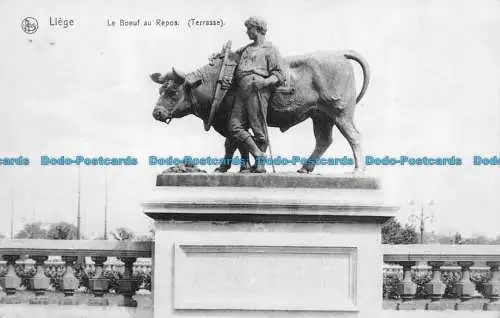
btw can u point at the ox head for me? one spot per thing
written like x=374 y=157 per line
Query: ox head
x=175 y=95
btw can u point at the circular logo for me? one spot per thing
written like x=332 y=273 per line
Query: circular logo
x=29 y=25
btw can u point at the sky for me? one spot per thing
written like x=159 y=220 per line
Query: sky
x=85 y=90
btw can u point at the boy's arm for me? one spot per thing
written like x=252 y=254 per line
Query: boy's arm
x=275 y=68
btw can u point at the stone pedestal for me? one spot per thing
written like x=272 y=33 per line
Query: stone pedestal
x=435 y=288
x=39 y=282
x=267 y=245
x=407 y=288
x=465 y=288
x=493 y=287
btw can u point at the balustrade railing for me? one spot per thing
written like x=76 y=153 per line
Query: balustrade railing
x=422 y=272
x=66 y=263
x=438 y=259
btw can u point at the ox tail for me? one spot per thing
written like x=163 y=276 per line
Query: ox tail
x=352 y=55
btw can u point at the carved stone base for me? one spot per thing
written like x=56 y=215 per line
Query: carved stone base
x=407 y=305
x=8 y=300
x=466 y=305
x=39 y=300
x=209 y=229
x=98 y=301
x=492 y=306
x=435 y=306
x=71 y=301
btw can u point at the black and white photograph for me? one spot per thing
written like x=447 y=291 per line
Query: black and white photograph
x=302 y=158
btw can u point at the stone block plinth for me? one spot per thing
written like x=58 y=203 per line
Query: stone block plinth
x=39 y=300
x=435 y=306
x=127 y=287
x=10 y=284
x=228 y=245
x=10 y=299
x=407 y=305
x=69 y=301
x=98 y=286
x=98 y=301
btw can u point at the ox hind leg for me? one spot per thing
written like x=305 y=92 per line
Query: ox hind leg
x=325 y=96
x=245 y=159
x=323 y=132
x=346 y=126
x=230 y=147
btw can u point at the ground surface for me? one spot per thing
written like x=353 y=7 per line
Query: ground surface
x=145 y=309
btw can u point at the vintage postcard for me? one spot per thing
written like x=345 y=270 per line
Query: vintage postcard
x=98 y=98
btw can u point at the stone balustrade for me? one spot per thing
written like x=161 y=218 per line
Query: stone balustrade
x=43 y=258
x=116 y=256
x=438 y=259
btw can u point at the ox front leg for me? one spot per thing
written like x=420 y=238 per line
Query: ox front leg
x=230 y=148
x=323 y=134
x=346 y=126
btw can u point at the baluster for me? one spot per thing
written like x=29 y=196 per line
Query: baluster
x=465 y=288
x=39 y=282
x=69 y=282
x=121 y=268
x=127 y=284
x=493 y=287
x=435 y=288
x=10 y=282
x=99 y=284
x=407 y=288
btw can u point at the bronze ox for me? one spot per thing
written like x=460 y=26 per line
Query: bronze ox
x=324 y=88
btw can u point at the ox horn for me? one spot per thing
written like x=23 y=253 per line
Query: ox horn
x=179 y=75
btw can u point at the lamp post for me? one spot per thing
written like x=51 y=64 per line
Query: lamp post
x=421 y=217
x=106 y=208
x=78 y=216
x=12 y=215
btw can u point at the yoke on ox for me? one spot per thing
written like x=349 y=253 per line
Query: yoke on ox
x=321 y=87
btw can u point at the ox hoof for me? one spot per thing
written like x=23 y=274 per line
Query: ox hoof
x=258 y=169
x=359 y=172
x=245 y=170
x=304 y=170
x=222 y=169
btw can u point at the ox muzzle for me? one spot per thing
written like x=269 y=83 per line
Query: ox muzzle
x=161 y=114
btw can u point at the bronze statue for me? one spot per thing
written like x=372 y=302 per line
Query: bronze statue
x=260 y=68
x=319 y=86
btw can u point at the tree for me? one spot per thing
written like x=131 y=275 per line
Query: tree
x=32 y=231
x=62 y=231
x=394 y=233
x=123 y=234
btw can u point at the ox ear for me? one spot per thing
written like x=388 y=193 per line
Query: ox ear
x=192 y=81
x=157 y=78
x=179 y=77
